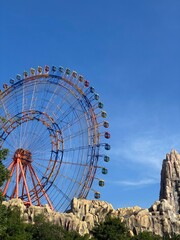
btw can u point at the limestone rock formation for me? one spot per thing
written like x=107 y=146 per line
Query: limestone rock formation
x=68 y=220
x=170 y=180
x=162 y=217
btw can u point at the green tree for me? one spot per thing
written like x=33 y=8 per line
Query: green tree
x=111 y=229
x=174 y=237
x=12 y=226
x=146 y=236
x=48 y=231
x=4 y=173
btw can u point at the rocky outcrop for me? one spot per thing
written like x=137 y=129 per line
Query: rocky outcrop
x=85 y=214
x=162 y=217
x=170 y=180
x=68 y=220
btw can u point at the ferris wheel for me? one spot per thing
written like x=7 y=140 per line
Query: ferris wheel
x=54 y=126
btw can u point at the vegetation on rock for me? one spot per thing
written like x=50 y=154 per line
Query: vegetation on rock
x=113 y=229
x=12 y=227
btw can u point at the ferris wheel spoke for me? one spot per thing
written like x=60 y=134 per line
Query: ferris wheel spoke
x=24 y=133
x=14 y=105
x=48 y=94
x=33 y=96
x=75 y=148
x=68 y=111
x=71 y=179
x=72 y=122
x=32 y=133
x=50 y=101
x=75 y=163
x=43 y=166
x=37 y=145
x=75 y=135
x=9 y=144
x=39 y=156
x=61 y=192
x=61 y=162
x=33 y=130
x=46 y=160
x=22 y=110
x=11 y=137
x=44 y=91
x=7 y=117
x=64 y=100
x=7 y=114
x=71 y=103
x=36 y=136
x=76 y=120
x=34 y=146
x=29 y=127
x=14 y=139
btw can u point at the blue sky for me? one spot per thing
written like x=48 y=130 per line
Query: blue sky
x=129 y=51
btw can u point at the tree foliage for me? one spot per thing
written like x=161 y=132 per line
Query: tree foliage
x=146 y=236
x=49 y=231
x=4 y=173
x=12 y=227
x=112 y=229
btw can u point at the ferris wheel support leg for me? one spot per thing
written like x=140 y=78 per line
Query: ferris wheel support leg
x=11 y=173
x=25 y=183
x=36 y=192
x=17 y=177
x=42 y=189
x=12 y=196
x=11 y=165
x=23 y=187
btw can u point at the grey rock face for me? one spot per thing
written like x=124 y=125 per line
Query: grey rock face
x=170 y=180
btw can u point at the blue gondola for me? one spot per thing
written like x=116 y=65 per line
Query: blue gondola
x=104 y=171
x=106 y=158
x=97 y=195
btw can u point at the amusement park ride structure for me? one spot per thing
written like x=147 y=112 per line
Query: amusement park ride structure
x=54 y=125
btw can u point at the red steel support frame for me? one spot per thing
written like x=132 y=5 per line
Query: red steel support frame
x=20 y=167
x=42 y=188
x=11 y=169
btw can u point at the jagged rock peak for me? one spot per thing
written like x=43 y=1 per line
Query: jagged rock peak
x=170 y=180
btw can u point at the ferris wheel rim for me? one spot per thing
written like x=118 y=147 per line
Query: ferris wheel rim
x=81 y=95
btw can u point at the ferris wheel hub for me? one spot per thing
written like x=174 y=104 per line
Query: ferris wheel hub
x=23 y=155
